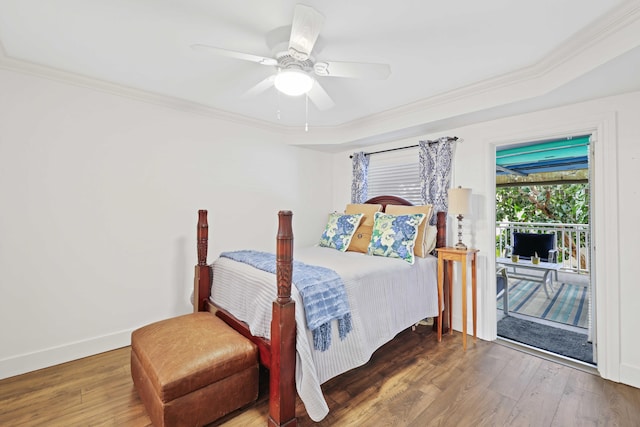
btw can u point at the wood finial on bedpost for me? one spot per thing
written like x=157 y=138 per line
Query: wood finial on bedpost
x=284 y=254
x=203 y=237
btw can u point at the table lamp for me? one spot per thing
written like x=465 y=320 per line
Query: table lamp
x=460 y=205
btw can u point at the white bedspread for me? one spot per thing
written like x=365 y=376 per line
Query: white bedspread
x=386 y=295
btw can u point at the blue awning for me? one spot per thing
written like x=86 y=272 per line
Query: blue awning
x=546 y=156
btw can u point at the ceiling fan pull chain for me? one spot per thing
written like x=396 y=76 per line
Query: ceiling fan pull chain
x=278 y=105
x=306 y=112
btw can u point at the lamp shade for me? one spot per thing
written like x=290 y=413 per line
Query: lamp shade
x=459 y=201
x=293 y=82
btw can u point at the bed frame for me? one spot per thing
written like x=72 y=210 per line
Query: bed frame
x=279 y=354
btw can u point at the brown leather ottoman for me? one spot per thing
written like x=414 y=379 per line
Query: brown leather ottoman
x=193 y=369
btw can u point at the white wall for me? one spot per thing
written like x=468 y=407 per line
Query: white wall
x=617 y=167
x=99 y=207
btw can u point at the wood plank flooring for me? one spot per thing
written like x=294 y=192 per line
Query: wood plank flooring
x=411 y=381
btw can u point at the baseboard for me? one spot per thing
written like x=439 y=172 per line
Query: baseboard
x=24 y=363
x=630 y=375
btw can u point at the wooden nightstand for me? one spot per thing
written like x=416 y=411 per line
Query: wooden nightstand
x=449 y=255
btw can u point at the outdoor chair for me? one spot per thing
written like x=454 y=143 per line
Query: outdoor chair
x=526 y=245
x=502 y=287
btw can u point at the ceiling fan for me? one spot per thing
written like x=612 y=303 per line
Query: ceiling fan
x=296 y=66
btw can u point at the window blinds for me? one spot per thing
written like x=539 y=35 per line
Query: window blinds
x=395 y=173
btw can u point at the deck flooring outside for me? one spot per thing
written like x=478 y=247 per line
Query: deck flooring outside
x=563 y=277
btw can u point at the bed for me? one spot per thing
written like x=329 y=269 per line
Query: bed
x=391 y=297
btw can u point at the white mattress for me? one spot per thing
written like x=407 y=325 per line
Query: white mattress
x=386 y=295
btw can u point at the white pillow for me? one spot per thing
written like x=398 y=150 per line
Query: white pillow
x=430 y=239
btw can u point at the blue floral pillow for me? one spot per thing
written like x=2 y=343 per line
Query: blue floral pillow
x=339 y=230
x=395 y=235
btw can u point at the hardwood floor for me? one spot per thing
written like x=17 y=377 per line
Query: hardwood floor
x=411 y=381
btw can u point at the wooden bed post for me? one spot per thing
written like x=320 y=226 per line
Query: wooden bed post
x=202 y=286
x=441 y=242
x=282 y=389
x=441 y=225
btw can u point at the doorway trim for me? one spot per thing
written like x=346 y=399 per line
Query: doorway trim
x=604 y=227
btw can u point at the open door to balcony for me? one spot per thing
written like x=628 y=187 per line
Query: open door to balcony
x=545 y=300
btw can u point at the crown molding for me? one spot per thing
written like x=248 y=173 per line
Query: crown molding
x=614 y=22
x=26 y=67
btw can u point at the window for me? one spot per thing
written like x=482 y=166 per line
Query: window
x=396 y=173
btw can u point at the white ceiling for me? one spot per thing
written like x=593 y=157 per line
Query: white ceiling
x=433 y=48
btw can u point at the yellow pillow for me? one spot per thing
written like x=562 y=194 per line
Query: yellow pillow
x=420 y=248
x=362 y=237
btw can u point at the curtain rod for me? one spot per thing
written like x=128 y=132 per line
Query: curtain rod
x=434 y=141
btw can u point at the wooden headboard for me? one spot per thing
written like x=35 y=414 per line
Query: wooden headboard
x=388 y=200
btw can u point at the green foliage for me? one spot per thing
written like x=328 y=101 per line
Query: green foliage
x=565 y=203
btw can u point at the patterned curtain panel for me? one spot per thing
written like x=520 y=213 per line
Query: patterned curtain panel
x=359 y=182
x=435 y=172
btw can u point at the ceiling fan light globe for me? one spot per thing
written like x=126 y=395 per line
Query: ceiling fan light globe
x=293 y=82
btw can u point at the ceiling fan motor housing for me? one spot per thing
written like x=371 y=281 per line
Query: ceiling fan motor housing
x=287 y=62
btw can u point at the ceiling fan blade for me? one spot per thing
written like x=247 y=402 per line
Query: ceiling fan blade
x=259 y=88
x=233 y=54
x=357 y=70
x=305 y=29
x=320 y=98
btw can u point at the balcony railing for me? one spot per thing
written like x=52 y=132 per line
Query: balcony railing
x=573 y=241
